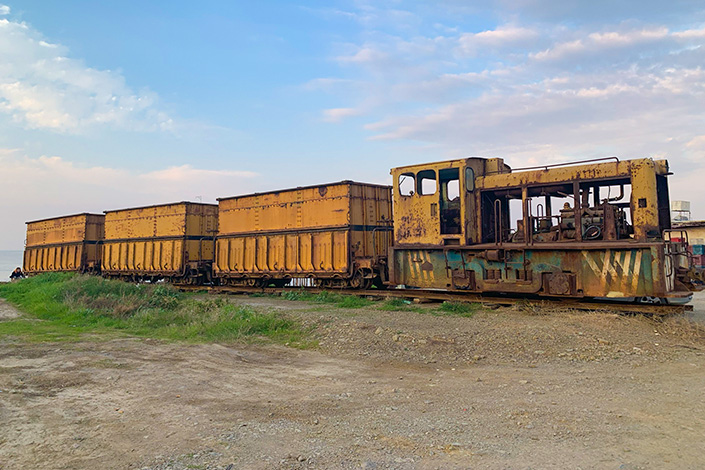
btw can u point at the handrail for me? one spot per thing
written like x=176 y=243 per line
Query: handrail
x=498 y=222
x=546 y=167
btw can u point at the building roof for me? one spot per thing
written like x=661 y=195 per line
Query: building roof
x=689 y=223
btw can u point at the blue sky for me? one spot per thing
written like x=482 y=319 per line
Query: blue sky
x=110 y=104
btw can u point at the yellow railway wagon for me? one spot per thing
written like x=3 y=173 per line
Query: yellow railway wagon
x=336 y=234
x=69 y=243
x=170 y=241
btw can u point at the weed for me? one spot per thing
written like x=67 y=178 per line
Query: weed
x=299 y=294
x=353 y=301
x=327 y=297
x=398 y=304
x=458 y=309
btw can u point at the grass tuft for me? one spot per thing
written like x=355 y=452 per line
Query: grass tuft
x=458 y=309
x=399 y=305
x=67 y=306
x=326 y=297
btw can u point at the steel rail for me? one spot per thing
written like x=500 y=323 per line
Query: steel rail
x=432 y=295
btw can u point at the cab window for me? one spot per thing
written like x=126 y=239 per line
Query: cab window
x=426 y=182
x=469 y=179
x=407 y=182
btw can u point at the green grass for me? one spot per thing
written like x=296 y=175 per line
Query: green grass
x=458 y=309
x=326 y=297
x=398 y=305
x=67 y=307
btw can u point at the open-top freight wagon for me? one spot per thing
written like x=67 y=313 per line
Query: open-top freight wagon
x=70 y=244
x=166 y=241
x=336 y=234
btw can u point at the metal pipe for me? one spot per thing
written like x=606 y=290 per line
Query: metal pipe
x=546 y=167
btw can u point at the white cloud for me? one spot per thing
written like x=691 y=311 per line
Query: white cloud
x=599 y=42
x=506 y=36
x=186 y=173
x=51 y=186
x=364 y=55
x=338 y=114
x=4 y=10
x=326 y=84
x=690 y=34
x=41 y=87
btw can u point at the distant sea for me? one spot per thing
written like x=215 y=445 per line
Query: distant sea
x=9 y=260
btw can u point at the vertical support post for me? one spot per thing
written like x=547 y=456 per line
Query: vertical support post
x=526 y=215
x=578 y=212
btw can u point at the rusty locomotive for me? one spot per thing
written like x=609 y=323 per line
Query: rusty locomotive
x=593 y=229
x=598 y=229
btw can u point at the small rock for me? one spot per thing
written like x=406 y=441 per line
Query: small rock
x=301 y=458
x=379 y=331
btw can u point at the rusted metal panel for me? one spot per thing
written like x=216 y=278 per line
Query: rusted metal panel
x=161 y=240
x=323 y=253
x=60 y=257
x=312 y=207
x=324 y=232
x=66 y=229
x=607 y=170
x=617 y=272
x=69 y=243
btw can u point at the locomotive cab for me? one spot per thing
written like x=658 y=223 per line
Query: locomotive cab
x=437 y=203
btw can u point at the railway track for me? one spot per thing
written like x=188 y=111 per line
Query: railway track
x=440 y=296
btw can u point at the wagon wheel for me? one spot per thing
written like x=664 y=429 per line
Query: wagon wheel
x=357 y=281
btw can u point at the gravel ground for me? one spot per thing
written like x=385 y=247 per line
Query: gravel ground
x=505 y=389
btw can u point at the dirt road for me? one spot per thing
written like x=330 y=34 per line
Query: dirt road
x=505 y=389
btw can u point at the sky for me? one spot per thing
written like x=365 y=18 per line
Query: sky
x=107 y=105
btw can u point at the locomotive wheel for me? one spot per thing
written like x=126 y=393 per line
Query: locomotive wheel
x=251 y=282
